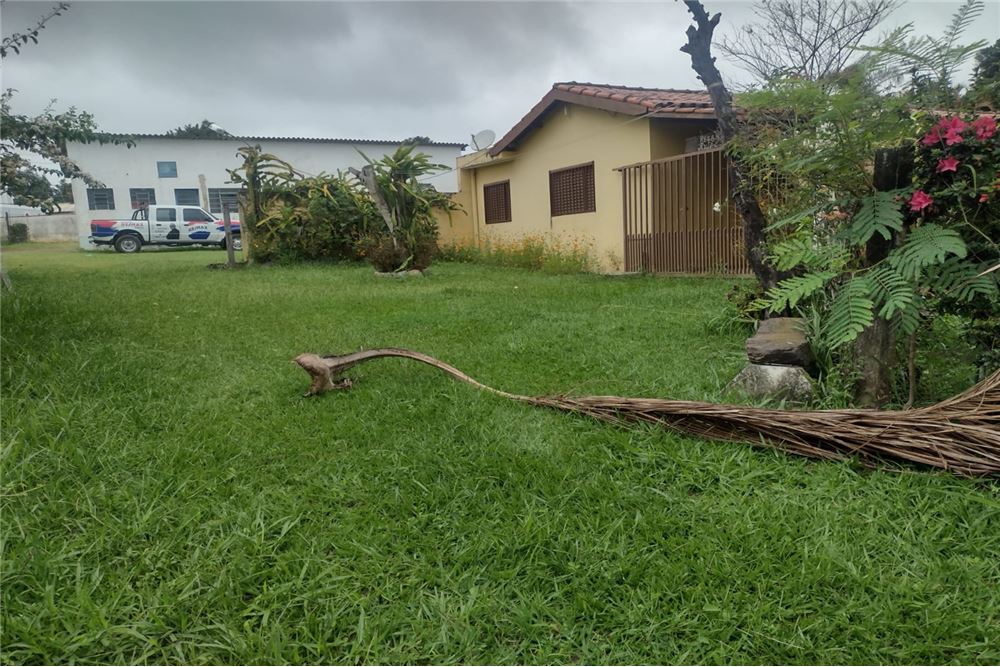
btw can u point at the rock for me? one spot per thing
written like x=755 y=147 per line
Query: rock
x=780 y=340
x=761 y=381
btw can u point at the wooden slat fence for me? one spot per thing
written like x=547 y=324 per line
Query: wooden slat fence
x=670 y=224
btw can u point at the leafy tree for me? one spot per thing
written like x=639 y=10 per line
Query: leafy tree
x=418 y=140
x=809 y=39
x=33 y=148
x=206 y=129
x=984 y=92
x=260 y=174
x=64 y=193
x=928 y=63
x=18 y=40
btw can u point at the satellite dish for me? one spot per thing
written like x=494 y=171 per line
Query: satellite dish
x=483 y=139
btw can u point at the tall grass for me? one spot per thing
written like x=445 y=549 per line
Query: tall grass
x=535 y=252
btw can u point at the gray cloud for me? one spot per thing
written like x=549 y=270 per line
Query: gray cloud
x=360 y=70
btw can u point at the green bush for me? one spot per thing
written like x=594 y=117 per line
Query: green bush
x=18 y=233
x=319 y=218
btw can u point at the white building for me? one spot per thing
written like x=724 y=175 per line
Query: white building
x=170 y=171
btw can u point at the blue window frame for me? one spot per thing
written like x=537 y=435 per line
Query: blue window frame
x=166 y=169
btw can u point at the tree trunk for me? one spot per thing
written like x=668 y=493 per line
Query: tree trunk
x=875 y=347
x=699 y=47
x=367 y=177
x=249 y=212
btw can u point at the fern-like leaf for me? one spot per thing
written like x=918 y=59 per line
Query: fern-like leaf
x=960 y=21
x=879 y=214
x=962 y=280
x=926 y=245
x=891 y=291
x=851 y=311
x=789 y=292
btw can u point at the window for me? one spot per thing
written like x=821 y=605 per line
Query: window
x=497 y=202
x=197 y=215
x=142 y=197
x=571 y=190
x=166 y=169
x=219 y=196
x=101 y=199
x=166 y=215
x=186 y=197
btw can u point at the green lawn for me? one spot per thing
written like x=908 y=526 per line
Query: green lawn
x=169 y=496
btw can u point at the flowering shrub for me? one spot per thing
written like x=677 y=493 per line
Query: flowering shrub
x=958 y=174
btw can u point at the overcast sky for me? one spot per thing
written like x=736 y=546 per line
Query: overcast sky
x=371 y=70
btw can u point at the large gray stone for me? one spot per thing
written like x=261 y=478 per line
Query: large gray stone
x=761 y=381
x=780 y=340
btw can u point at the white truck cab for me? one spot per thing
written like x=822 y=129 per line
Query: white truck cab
x=164 y=225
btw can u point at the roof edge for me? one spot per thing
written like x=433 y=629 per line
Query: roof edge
x=558 y=93
x=319 y=140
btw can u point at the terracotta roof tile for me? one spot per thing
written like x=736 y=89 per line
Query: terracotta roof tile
x=654 y=99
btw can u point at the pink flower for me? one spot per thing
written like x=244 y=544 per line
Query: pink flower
x=952 y=137
x=920 y=200
x=953 y=128
x=985 y=126
x=983 y=198
x=947 y=164
x=954 y=123
x=932 y=137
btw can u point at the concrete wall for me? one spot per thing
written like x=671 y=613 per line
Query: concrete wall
x=122 y=168
x=456 y=229
x=55 y=227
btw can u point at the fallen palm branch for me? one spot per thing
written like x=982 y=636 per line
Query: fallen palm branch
x=961 y=434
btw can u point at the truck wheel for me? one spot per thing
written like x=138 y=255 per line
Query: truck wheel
x=128 y=243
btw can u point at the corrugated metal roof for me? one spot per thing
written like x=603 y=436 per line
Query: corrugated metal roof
x=316 y=140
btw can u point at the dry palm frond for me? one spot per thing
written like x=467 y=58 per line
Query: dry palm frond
x=961 y=434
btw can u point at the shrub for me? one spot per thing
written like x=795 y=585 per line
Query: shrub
x=319 y=218
x=408 y=208
x=388 y=257
x=18 y=233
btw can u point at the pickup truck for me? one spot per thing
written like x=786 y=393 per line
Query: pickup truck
x=163 y=225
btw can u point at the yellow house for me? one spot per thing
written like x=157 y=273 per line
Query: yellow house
x=618 y=169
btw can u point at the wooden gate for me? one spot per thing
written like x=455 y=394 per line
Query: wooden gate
x=678 y=218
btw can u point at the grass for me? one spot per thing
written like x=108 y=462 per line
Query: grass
x=545 y=253
x=168 y=496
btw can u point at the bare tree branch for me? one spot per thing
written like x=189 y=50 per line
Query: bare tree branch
x=812 y=39
x=699 y=47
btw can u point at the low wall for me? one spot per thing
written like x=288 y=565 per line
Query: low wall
x=55 y=227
